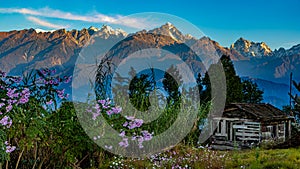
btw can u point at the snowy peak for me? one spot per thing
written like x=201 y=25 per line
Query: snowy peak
x=42 y=30
x=169 y=29
x=251 y=49
x=106 y=31
x=92 y=28
x=281 y=52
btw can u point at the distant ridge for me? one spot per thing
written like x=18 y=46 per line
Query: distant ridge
x=35 y=48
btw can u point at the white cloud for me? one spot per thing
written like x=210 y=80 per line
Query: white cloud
x=95 y=18
x=45 y=23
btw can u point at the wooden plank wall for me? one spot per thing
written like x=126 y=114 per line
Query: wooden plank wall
x=247 y=131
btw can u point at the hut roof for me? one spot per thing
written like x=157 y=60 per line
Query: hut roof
x=261 y=112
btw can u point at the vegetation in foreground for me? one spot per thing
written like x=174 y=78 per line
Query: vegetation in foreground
x=187 y=157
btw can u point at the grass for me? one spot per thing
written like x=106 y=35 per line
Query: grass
x=275 y=158
x=187 y=157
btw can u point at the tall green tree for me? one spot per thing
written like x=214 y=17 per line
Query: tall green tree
x=251 y=92
x=296 y=99
x=236 y=90
x=172 y=86
x=233 y=83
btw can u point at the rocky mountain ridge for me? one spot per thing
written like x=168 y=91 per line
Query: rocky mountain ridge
x=33 y=49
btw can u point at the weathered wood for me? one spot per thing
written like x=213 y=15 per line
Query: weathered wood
x=223 y=127
x=249 y=139
x=246 y=134
x=250 y=129
x=254 y=123
x=239 y=126
x=231 y=132
x=221 y=134
x=289 y=129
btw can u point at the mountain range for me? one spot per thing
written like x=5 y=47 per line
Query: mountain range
x=21 y=50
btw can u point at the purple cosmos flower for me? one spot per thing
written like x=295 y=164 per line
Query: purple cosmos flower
x=1 y=105
x=102 y=102
x=124 y=143
x=138 y=122
x=146 y=135
x=8 y=108
x=44 y=71
x=53 y=71
x=10 y=149
x=109 y=112
x=60 y=93
x=2 y=74
x=11 y=93
x=140 y=146
x=6 y=121
x=98 y=108
x=16 y=79
x=12 y=101
x=51 y=82
x=49 y=102
x=140 y=139
x=25 y=91
x=95 y=115
x=116 y=110
x=23 y=100
x=67 y=79
x=125 y=124
x=122 y=134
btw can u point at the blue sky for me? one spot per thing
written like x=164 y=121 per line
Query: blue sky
x=275 y=22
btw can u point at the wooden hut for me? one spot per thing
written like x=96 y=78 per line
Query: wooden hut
x=244 y=125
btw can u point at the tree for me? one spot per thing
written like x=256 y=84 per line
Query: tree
x=233 y=83
x=171 y=86
x=236 y=90
x=296 y=99
x=140 y=88
x=251 y=92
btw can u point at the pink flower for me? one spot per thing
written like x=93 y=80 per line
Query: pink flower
x=67 y=79
x=124 y=143
x=109 y=112
x=146 y=135
x=116 y=110
x=95 y=115
x=49 y=102
x=125 y=124
x=8 y=108
x=10 y=149
x=6 y=121
x=53 y=71
x=122 y=134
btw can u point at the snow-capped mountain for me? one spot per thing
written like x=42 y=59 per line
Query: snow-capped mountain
x=42 y=30
x=170 y=30
x=106 y=31
x=281 y=52
x=251 y=49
